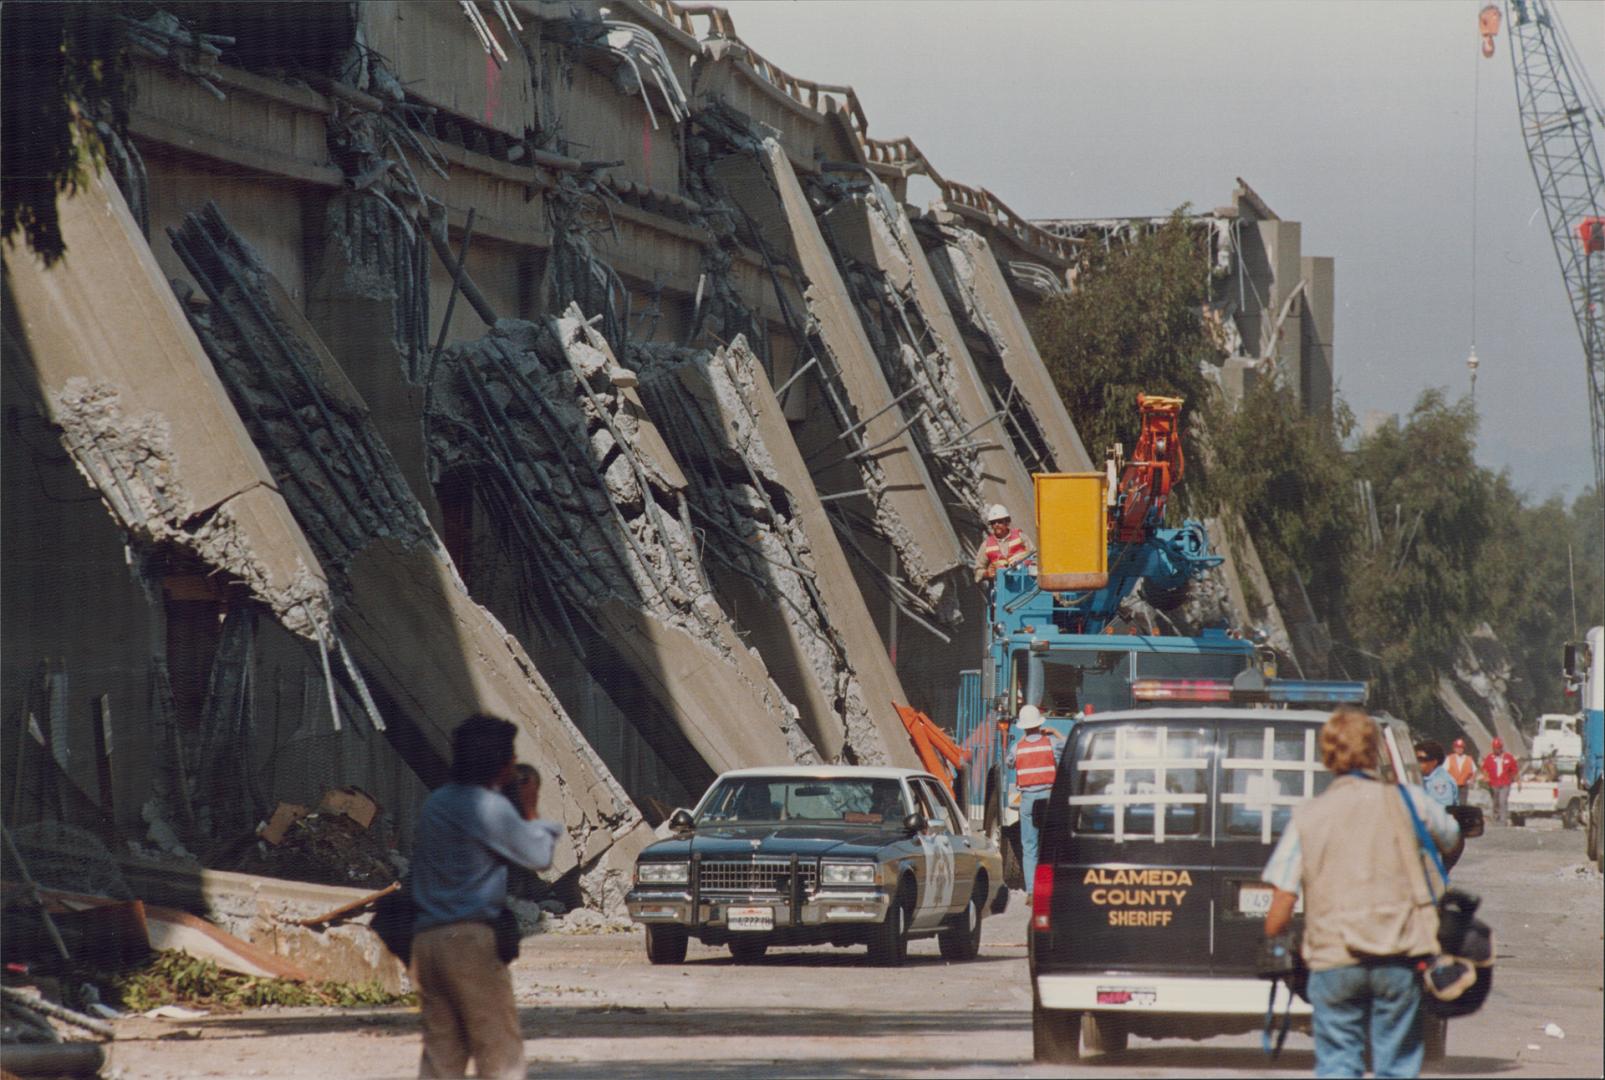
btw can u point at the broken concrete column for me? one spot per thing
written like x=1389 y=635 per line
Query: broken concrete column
x=962 y=434
x=904 y=501
x=978 y=294
x=432 y=654
x=767 y=526
x=142 y=412
x=597 y=503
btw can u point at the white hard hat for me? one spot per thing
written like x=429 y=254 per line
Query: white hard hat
x=996 y=512
x=1030 y=718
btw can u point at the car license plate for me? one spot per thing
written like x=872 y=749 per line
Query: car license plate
x=1128 y=995
x=750 y=918
x=1256 y=900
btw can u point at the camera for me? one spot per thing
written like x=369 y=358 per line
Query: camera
x=522 y=774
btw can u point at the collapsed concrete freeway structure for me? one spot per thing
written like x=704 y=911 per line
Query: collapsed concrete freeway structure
x=570 y=362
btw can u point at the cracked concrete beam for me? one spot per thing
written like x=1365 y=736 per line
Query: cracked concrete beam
x=881 y=236
x=844 y=603
x=143 y=413
x=907 y=507
x=969 y=259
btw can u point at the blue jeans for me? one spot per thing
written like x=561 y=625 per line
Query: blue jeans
x=1380 y=1001
x=1030 y=839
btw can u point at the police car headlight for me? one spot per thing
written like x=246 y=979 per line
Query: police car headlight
x=849 y=873
x=663 y=873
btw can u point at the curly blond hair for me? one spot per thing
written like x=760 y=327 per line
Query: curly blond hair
x=1349 y=741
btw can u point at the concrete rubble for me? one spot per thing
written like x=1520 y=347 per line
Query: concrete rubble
x=599 y=503
x=767 y=527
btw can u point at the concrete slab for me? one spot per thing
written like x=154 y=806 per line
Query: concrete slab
x=906 y=506
x=975 y=270
x=142 y=411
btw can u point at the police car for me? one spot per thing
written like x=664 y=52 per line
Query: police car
x=812 y=855
x=1148 y=908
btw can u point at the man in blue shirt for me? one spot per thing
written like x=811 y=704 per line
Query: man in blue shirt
x=1434 y=776
x=468 y=833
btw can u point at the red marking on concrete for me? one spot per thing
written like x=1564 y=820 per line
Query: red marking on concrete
x=493 y=88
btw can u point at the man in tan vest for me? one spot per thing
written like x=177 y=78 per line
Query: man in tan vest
x=1369 y=915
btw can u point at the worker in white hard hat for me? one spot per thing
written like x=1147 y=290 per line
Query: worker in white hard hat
x=1004 y=544
x=1036 y=763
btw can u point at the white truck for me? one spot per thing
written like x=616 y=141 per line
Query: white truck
x=1546 y=793
x=1558 y=736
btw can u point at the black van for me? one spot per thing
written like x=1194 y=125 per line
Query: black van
x=1148 y=905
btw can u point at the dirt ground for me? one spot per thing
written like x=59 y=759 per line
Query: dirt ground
x=591 y=1006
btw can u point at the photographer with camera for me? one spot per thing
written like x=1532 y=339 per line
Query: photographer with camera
x=1370 y=915
x=470 y=830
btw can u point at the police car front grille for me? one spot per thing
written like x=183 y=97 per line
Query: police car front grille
x=755 y=875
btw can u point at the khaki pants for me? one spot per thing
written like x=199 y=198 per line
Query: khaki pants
x=466 y=999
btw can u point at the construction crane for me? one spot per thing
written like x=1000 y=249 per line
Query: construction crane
x=1558 y=126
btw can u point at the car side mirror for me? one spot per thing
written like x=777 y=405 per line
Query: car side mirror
x=1039 y=814
x=681 y=821
x=1469 y=819
x=914 y=823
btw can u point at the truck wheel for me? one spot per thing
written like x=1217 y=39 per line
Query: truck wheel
x=1104 y=1033
x=888 y=947
x=748 y=950
x=666 y=944
x=1517 y=820
x=1593 y=829
x=1434 y=1037
x=1573 y=814
x=1055 y=1036
x=964 y=942
x=1013 y=864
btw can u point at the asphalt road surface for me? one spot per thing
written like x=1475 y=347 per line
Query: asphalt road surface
x=591 y=1006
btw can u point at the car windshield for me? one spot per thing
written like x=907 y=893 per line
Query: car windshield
x=760 y=799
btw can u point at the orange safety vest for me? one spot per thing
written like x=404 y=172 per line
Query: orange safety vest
x=1012 y=549
x=1461 y=768
x=1034 y=764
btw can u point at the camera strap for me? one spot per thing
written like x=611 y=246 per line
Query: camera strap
x=1424 y=839
x=1272 y=1051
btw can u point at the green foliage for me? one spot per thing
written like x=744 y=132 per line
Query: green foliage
x=63 y=65
x=1284 y=471
x=1413 y=595
x=1130 y=326
x=174 y=978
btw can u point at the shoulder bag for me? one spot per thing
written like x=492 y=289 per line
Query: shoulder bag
x=1457 y=981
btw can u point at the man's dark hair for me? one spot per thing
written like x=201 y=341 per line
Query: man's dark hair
x=1432 y=750
x=481 y=747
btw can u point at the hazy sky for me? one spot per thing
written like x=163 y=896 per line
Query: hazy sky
x=1355 y=119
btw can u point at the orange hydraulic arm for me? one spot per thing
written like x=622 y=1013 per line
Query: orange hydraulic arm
x=936 y=749
x=1155 y=464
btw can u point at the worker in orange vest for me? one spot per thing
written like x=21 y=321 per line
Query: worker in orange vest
x=1004 y=545
x=1462 y=769
x=1036 y=763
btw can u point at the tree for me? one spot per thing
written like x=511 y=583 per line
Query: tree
x=63 y=65
x=1131 y=325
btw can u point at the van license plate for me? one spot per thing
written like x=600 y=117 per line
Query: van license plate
x=1255 y=899
x=750 y=918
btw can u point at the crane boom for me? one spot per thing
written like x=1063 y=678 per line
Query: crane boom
x=1558 y=127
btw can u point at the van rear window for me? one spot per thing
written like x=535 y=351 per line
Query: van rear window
x=1265 y=771
x=1140 y=781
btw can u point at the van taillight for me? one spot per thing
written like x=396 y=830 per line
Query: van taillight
x=1042 y=898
